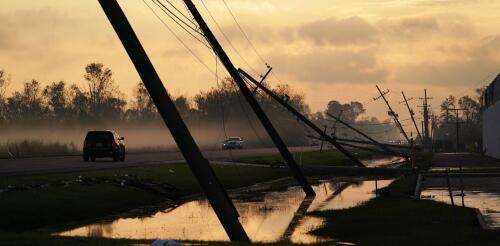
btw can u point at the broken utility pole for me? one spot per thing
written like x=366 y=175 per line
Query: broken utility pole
x=383 y=147
x=412 y=114
x=304 y=119
x=217 y=196
x=392 y=113
x=285 y=153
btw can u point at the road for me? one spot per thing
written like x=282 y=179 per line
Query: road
x=13 y=167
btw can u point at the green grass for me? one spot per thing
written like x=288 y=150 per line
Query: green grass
x=396 y=219
x=31 y=209
x=36 y=148
x=330 y=157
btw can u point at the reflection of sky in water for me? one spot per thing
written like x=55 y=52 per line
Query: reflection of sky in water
x=487 y=203
x=265 y=216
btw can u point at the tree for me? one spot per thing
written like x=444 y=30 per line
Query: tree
x=4 y=82
x=350 y=111
x=28 y=105
x=56 y=97
x=100 y=86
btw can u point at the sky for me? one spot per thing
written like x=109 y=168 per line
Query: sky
x=326 y=49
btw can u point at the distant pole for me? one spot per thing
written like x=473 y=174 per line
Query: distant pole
x=425 y=108
x=392 y=113
x=412 y=114
x=457 y=125
x=322 y=140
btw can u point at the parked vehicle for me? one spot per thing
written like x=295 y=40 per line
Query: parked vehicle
x=100 y=144
x=233 y=143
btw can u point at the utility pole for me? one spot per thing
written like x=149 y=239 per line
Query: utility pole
x=425 y=106
x=216 y=194
x=457 y=122
x=285 y=153
x=392 y=113
x=331 y=139
x=412 y=115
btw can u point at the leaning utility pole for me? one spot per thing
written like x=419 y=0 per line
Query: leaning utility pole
x=391 y=112
x=304 y=119
x=285 y=153
x=412 y=114
x=217 y=196
x=457 y=122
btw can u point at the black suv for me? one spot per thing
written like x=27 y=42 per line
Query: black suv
x=100 y=144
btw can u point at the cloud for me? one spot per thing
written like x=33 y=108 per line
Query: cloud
x=466 y=69
x=426 y=27
x=353 y=30
x=330 y=66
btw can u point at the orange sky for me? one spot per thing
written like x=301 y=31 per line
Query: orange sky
x=328 y=49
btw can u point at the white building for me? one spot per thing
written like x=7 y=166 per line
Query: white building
x=491 y=119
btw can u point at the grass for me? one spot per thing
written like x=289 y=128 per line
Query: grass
x=35 y=208
x=397 y=219
x=36 y=148
x=330 y=157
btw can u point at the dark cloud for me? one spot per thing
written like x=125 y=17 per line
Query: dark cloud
x=330 y=66
x=353 y=30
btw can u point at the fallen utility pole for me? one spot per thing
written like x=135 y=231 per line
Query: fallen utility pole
x=204 y=174
x=392 y=113
x=266 y=123
x=304 y=119
x=412 y=114
x=359 y=147
x=389 y=151
x=370 y=143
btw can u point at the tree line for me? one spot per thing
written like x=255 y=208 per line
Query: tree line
x=100 y=102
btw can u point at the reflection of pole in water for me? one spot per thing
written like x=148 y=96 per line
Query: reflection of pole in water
x=297 y=218
x=339 y=190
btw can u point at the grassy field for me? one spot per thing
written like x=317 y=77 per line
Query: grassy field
x=397 y=219
x=53 y=205
x=36 y=148
x=331 y=157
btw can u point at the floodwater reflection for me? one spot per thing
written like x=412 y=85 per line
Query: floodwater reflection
x=266 y=216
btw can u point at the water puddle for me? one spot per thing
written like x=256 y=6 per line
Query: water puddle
x=385 y=161
x=488 y=203
x=266 y=216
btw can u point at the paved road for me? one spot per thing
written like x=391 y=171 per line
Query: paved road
x=75 y=163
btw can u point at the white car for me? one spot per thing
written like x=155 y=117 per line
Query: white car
x=233 y=143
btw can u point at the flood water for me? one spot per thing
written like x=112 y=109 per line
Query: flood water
x=488 y=203
x=265 y=216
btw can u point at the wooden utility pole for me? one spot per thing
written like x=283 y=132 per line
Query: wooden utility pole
x=391 y=113
x=425 y=106
x=301 y=117
x=412 y=114
x=285 y=153
x=457 y=122
x=216 y=194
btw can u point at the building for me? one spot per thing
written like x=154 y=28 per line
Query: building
x=491 y=119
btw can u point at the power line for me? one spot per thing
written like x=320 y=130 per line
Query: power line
x=227 y=39
x=168 y=13
x=179 y=39
x=180 y=12
x=243 y=32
